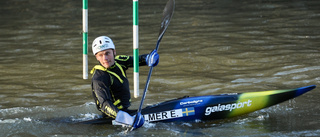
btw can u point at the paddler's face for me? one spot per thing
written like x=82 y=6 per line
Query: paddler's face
x=106 y=57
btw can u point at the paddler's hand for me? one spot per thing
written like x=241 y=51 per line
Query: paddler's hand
x=152 y=59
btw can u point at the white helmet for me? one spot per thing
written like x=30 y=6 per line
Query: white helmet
x=102 y=43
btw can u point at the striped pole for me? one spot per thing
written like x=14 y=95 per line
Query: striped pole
x=85 y=38
x=136 y=48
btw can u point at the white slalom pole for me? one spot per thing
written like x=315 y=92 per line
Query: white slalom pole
x=136 y=47
x=85 y=38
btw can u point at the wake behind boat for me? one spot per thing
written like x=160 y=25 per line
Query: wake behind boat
x=213 y=107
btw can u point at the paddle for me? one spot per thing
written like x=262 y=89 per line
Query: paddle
x=167 y=14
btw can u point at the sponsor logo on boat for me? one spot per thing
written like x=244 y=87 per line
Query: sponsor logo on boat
x=171 y=114
x=227 y=107
x=193 y=102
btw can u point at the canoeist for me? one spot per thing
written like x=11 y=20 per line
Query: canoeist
x=110 y=86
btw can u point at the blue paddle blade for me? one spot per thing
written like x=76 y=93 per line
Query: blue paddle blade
x=139 y=121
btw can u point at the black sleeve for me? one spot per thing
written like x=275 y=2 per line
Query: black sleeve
x=127 y=61
x=142 y=60
x=103 y=97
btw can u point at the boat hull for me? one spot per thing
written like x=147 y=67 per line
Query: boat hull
x=214 y=107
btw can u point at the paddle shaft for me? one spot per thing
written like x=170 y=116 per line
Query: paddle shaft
x=149 y=75
x=145 y=89
x=167 y=14
x=150 y=72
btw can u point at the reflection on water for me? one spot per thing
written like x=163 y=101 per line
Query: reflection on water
x=210 y=47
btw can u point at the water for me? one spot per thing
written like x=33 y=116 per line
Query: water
x=210 y=47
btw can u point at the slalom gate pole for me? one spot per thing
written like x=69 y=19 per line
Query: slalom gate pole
x=136 y=47
x=85 y=38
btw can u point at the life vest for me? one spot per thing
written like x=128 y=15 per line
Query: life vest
x=110 y=72
x=100 y=67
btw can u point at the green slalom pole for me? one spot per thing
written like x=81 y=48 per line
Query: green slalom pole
x=136 y=48
x=85 y=38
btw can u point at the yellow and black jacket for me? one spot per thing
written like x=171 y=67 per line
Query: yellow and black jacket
x=110 y=87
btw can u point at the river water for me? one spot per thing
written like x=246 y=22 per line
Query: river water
x=211 y=47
